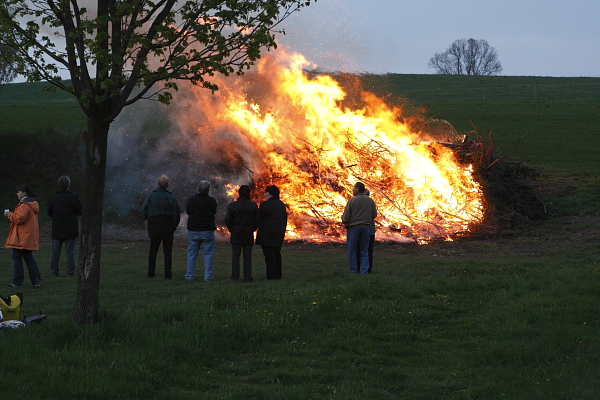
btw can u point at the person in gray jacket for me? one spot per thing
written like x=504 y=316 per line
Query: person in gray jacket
x=360 y=211
x=162 y=212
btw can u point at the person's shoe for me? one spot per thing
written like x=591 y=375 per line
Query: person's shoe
x=13 y=285
x=70 y=275
x=36 y=286
x=56 y=275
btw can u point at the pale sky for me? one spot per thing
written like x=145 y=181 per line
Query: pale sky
x=557 y=38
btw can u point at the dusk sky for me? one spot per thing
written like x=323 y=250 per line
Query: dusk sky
x=532 y=37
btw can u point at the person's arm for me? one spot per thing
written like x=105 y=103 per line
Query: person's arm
x=77 y=205
x=49 y=208
x=145 y=208
x=175 y=213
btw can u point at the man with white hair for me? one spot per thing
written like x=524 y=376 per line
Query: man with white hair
x=162 y=212
x=201 y=209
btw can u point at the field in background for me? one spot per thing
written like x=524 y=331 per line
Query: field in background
x=508 y=317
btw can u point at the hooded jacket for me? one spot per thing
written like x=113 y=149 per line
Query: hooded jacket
x=24 y=229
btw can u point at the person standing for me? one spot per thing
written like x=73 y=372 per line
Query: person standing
x=162 y=212
x=371 y=242
x=242 y=221
x=271 y=231
x=201 y=209
x=24 y=236
x=64 y=208
x=360 y=211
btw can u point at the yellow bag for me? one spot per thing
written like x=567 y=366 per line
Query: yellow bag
x=11 y=306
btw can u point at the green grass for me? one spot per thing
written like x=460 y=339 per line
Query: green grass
x=29 y=108
x=511 y=317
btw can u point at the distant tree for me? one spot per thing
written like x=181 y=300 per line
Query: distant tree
x=117 y=52
x=467 y=57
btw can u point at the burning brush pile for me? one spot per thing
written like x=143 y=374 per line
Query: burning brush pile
x=279 y=126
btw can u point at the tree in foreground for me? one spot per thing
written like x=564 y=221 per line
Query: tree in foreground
x=117 y=52
x=467 y=57
x=7 y=69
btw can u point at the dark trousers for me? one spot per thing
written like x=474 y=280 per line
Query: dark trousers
x=160 y=230
x=371 y=245
x=18 y=255
x=56 y=250
x=236 y=250
x=273 y=261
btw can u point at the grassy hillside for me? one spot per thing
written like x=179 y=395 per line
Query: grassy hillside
x=511 y=317
x=553 y=124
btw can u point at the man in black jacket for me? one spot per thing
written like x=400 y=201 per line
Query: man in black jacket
x=201 y=209
x=63 y=208
x=271 y=231
x=242 y=221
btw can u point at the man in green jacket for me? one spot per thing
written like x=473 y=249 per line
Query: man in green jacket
x=162 y=212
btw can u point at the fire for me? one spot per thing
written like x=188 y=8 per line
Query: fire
x=299 y=136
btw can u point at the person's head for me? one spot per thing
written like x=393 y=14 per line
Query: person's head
x=25 y=191
x=163 y=182
x=204 y=187
x=244 y=191
x=367 y=192
x=273 y=191
x=64 y=182
x=359 y=187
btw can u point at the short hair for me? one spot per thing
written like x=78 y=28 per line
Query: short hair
x=64 y=182
x=244 y=191
x=204 y=187
x=163 y=181
x=360 y=186
x=273 y=191
x=27 y=189
x=367 y=192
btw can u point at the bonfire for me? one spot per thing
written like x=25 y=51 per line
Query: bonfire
x=292 y=130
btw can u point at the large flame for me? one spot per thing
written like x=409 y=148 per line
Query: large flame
x=300 y=137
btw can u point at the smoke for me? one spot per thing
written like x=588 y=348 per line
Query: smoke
x=183 y=140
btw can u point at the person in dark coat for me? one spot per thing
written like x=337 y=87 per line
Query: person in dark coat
x=64 y=208
x=162 y=212
x=242 y=221
x=271 y=231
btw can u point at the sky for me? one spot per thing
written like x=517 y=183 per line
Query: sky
x=532 y=37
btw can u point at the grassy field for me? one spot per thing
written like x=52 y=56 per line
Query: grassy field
x=511 y=317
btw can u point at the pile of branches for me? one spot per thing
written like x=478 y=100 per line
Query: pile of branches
x=511 y=188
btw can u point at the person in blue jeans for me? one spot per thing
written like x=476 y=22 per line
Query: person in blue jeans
x=360 y=211
x=201 y=209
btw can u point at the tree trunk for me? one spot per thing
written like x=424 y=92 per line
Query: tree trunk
x=88 y=272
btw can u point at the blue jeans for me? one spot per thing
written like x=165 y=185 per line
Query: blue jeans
x=69 y=249
x=18 y=255
x=358 y=241
x=195 y=240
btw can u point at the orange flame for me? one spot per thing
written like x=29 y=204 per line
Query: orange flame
x=300 y=137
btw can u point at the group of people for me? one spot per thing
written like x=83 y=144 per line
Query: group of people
x=243 y=218
x=163 y=214
x=24 y=234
